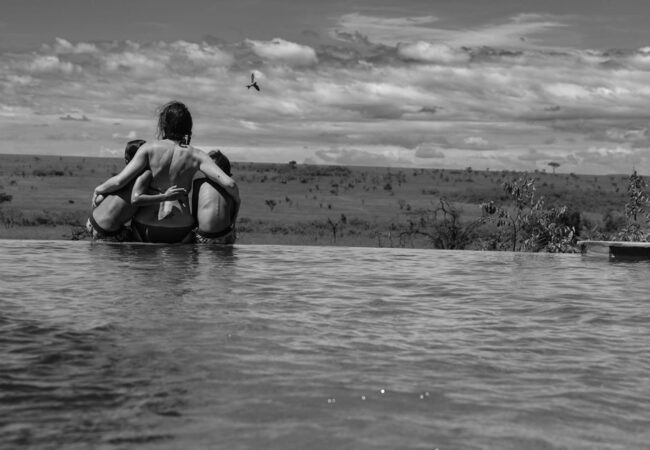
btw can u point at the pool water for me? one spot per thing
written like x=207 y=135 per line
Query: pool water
x=284 y=347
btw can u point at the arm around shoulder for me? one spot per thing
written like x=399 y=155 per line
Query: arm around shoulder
x=132 y=169
x=214 y=173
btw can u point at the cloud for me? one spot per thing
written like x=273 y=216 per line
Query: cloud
x=611 y=158
x=136 y=63
x=61 y=46
x=391 y=31
x=476 y=143
x=76 y=117
x=431 y=53
x=125 y=137
x=50 y=64
x=428 y=99
x=284 y=51
x=429 y=153
x=355 y=157
x=534 y=155
x=199 y=55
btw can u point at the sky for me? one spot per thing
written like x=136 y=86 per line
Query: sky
x=498 y=85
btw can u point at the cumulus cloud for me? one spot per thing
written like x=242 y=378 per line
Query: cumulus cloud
x=534 y=155
x=476 y=143
x=76 y=117
x=200 y=55
x=355 y=157
x=62 y=46
x=431 y=53
x=391 y=31
x=137 y=63
x=125 y=137
x=430 y=98
x=284 y=51
x=611 y=158
x=426 y=152
x=51 y=64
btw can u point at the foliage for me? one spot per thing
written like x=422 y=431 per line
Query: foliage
x=529 y=225
x=443 y=227
x=271 y=204
x=554 y=165
x=636 y=211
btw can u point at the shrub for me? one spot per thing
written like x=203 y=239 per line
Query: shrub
x=529 y=225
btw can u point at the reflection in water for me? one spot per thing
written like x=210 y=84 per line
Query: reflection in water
x=123 y=346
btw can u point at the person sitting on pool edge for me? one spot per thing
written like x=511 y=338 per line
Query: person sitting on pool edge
x=214 y=209
x=107 y=221
x=110 y=212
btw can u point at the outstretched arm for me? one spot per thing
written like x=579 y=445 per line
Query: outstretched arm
x=140 y=195
x=117 y=182
x=214 y=173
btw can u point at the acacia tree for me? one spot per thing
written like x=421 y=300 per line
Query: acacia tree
x=554 y=165
x=443 y=227
x=271 y=204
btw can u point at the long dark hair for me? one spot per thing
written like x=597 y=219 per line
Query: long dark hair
x=174 y=122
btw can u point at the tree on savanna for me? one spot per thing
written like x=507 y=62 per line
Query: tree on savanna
x=4 y=197
x=554 y=165
x=442 y=226
x=334 y=226
x=271 y=204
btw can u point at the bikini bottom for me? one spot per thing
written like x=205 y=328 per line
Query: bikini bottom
x=165 y=235
x=226 y=236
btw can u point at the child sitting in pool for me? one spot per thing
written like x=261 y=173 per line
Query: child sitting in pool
x=214 y=209
x=111 y=212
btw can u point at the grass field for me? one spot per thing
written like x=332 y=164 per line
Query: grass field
x=296 y=204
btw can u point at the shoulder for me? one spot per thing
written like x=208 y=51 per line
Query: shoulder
x=154 y=146
x=197 y=156
x=196 y=152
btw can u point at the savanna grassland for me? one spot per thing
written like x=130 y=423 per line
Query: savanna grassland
x=48 y=197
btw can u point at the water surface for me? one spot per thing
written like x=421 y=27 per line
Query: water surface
x=280 y=347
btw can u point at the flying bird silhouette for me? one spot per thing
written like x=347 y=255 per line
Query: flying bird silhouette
x=253 y=83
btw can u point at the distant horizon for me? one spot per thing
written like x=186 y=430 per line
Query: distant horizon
x=558 y=171
x=505 y=85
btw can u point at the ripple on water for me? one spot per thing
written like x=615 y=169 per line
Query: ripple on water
x=120 y=346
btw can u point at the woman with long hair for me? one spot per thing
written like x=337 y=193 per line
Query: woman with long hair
x=168 y=166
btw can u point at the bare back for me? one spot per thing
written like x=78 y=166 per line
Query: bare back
x=170 y=165
x=215 y=210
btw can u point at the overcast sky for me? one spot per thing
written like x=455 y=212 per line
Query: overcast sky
x=504 y=84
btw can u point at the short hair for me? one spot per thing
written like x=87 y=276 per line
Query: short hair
x=221 y=160
x=131 y=148
x=174 y=122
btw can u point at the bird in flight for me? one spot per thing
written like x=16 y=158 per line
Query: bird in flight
x=253 y=83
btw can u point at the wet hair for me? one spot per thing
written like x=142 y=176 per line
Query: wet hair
x=221 y=160
x=131 y=148
x=175 y=122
